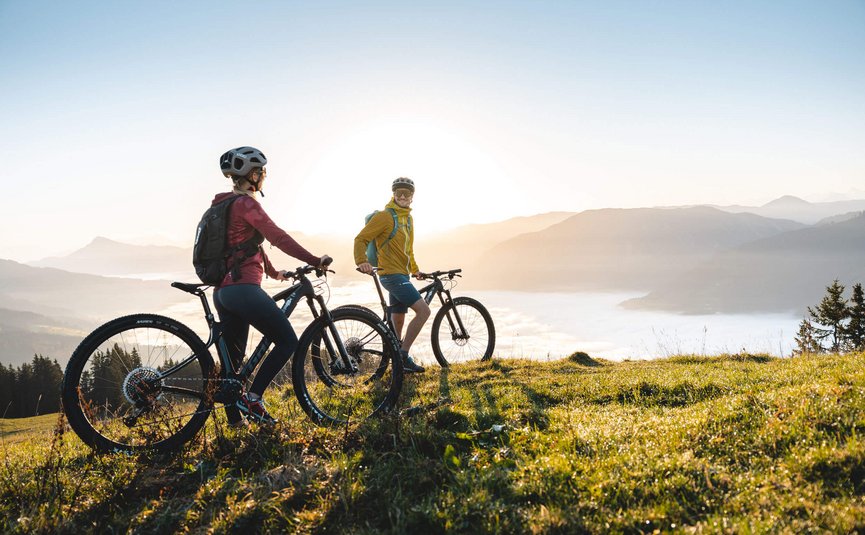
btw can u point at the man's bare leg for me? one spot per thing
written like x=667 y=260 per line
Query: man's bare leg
x=421 y=314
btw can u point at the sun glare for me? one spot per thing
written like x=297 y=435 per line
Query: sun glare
x=450 y=168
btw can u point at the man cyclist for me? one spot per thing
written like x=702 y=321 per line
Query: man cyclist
x=396 y=262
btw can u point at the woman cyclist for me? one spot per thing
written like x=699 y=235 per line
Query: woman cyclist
x=239 y=298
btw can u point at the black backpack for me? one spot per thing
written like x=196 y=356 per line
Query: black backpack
x=211 y=253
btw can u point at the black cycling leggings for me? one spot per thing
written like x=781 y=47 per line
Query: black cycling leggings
x=242 y=305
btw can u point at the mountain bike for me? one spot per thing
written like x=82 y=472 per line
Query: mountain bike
x=462 y=329
x=148 y=382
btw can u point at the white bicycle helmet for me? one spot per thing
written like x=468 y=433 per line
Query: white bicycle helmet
x=403 y=182
x=240 y=161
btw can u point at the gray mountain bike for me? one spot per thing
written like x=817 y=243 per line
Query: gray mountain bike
x=148 y=382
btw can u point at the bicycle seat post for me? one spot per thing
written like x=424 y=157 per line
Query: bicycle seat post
x=384 y=307
x=378 y=289
x=208 y=313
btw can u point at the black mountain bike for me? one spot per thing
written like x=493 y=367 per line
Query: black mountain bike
x=462 y=329
x=148 y=382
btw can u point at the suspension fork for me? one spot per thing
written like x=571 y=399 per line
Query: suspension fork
x=458 y=330
x=332 y=343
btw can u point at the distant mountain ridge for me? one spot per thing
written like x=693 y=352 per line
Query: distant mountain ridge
x=24 y=334
x=796 y=209
x=786 y=272
x=49 y=311
x=103 y=256
x=621 y=249
x=465 y=245
x=54 y=292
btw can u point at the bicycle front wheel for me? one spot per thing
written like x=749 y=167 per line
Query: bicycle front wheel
x=463 y=331
x=138 y=383
x=346 y=370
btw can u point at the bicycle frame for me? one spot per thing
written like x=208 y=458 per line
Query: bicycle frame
x=435 y=288
x=291 y=297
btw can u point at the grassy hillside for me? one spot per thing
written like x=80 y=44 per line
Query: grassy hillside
x=736 y=443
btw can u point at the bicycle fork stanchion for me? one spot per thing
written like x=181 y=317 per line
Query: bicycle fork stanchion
x=458 y=331
x=340 y=350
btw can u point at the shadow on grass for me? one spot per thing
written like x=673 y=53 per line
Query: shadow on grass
x=648 y=394
x=841 y=473
x=759 y=358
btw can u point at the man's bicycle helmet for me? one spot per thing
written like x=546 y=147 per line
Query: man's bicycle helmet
x=240 y=161
x=403 y=182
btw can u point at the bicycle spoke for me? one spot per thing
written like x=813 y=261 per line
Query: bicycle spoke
x=117 y=395
x=475 y=340
x=338 y=388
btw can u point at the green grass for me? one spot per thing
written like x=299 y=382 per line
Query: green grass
x=20 y=429
x=727 y=444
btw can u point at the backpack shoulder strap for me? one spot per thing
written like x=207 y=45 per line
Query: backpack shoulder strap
x=240 y=252
x=395 y=226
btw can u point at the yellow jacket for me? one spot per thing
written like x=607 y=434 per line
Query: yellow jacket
x=397 y=256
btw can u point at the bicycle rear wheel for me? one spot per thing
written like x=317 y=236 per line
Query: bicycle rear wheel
x=138 y=383
x=336 y=388
x=463 y=331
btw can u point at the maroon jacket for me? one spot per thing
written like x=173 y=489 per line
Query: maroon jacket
x=245 y=216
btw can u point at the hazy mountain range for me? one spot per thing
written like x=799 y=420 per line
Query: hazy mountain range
x=796 y=209
x=784 y=272
x=111 y=258
x=615 y=249
x=698 y=259
x=43 y=308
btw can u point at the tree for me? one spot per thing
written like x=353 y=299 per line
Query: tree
x=34 y=388
x=854 y=333
x=45 y=386
x=7 y=389
x=805 y=340
x=829 y=316
x=24 y=402
x=108 y=370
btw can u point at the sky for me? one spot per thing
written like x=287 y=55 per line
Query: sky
x=114 y=114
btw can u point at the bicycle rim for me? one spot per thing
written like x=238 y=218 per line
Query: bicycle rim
x=333 y=391
x=118 y=393
x=475 y=340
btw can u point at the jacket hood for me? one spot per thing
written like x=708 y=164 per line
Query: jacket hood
x=221 y=197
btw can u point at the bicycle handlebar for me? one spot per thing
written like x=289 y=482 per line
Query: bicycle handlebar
x=374 y=271
x=307 y=269
x=451 y=273
x=426 y=276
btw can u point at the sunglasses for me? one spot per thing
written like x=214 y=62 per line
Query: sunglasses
x=404 y=193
